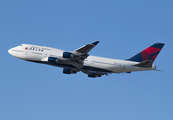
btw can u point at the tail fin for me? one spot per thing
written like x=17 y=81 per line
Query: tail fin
x=149 y=53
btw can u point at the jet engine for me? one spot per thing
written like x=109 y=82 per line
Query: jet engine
x=68 y=55
x=68 y=71
x=52 y=60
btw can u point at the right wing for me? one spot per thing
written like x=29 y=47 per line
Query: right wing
x=94 y=74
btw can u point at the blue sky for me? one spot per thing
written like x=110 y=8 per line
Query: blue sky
x=124 y=28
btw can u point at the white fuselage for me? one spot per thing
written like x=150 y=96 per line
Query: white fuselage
x=40 y=54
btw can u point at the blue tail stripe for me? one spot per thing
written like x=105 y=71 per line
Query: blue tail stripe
x=158 y=45
x=136 y=58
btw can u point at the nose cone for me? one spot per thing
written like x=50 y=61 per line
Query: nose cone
x=9 y=51
x=12 y=52
x=17 y=52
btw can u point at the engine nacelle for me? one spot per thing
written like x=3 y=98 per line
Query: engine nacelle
x=52 y=60
x=68 y=71
x=68 y=55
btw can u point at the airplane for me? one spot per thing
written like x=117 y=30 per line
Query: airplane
x=79 y=59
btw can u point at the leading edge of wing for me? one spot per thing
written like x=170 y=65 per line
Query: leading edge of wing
x=86 y=48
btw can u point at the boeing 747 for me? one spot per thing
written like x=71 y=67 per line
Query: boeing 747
x=79 y=59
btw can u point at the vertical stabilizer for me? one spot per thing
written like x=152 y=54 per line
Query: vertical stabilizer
x=149 y=53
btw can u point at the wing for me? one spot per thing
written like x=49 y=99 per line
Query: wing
x=85 y=49
x=77 y=57
x=94 y=74
x=82 y=53
x=74 y=58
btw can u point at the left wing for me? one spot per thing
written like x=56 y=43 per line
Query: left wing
x=74 y=58
x=85 y=49
x=77 y=57
x=82 y=52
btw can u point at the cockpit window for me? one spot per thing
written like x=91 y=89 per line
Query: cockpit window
x=20 y=45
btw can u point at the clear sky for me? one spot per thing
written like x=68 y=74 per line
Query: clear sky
x=30 y=91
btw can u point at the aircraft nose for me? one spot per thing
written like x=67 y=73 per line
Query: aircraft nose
x=10 y=51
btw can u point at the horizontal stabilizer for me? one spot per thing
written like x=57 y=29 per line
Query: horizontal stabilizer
x=158 y=70
x=145 y=64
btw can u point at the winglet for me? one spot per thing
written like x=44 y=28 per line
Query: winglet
x=95 y=43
